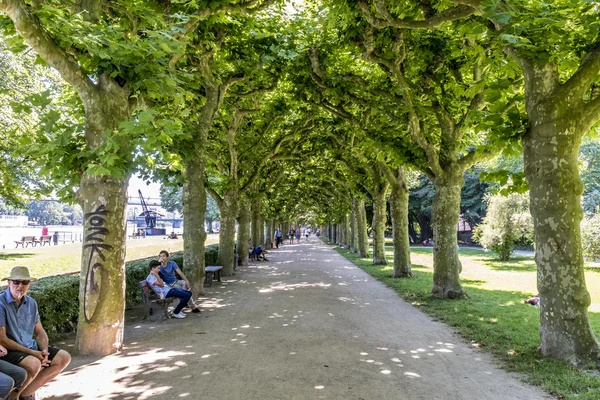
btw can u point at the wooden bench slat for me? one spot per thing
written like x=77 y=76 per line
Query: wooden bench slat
x=149 y=298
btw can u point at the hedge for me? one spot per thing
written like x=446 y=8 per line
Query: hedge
x=58 y=297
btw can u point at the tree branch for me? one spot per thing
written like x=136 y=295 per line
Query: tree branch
x=29 y=27
x=587 y=74
x=385 y=19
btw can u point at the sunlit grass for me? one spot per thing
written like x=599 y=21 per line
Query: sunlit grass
x=53 y=260
x=493 y=317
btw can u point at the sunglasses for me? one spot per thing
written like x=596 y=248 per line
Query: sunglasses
x=17 y=283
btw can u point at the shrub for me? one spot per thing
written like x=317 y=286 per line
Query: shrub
x=590 y=232
x=58 y=297
x=507 y=222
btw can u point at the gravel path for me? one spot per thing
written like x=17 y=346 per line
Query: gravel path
x=307 y=324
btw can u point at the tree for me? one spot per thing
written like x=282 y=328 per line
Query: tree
x=507 y=223
x=590 y=232
x=45 y=212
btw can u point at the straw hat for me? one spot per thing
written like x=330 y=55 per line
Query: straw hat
x=19 y=274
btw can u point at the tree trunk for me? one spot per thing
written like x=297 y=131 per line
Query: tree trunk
x=399 y=212
x=269 y=235
x=379 y=218
x=229 y=212
x=551 y=166
x=353 y=229
x=347 y=232
x=363 y=237
x=255 y=230
x=194 y=234
x=334 y=237
x=104 y=203
x=445 y=213
x=102 y=279
x=243 y=231
x=261 y=228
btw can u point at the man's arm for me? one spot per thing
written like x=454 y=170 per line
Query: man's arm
x=42 y=341
x=182 y=275
x=10 y=344
x=158 y=281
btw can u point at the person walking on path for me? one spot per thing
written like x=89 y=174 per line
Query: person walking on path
x=278 y=236
x=24 y=337
x=298 y=235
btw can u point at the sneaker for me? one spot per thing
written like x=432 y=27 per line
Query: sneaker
x=196 y=310
x=180 y=315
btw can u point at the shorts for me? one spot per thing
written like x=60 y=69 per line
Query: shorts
x=15 y=357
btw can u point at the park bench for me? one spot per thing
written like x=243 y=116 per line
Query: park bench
x=151 y=301
x=212 y=273
x=25 y=240
x=44 y=239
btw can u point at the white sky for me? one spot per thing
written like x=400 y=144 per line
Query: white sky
x=151 y=191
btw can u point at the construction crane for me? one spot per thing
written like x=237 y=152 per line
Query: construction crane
x=150 y=215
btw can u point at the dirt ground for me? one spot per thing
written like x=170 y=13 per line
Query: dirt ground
x=307 y=324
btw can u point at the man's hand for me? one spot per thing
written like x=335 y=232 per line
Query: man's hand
x=188 y=285
x=3 y=351
x=45 y=361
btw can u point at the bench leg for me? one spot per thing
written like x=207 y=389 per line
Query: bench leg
x=218 y=275
x=209 y=278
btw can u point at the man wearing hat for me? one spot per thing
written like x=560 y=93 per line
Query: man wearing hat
x=22 y=334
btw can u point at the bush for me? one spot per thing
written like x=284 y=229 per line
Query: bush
x=507 y=223
x=58 y=297
x=590 y=232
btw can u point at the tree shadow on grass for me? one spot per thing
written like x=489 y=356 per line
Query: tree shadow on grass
x=15 y=256
x=516 y=264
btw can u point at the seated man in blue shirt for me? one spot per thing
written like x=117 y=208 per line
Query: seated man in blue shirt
x=24 y=338
x=163 y=290
x=167 y=273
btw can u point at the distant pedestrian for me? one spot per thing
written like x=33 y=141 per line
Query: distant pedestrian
x=291 y=235
x=55 y=238
x=278 y=236
x=298 y=235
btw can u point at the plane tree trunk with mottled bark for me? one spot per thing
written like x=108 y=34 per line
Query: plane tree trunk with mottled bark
x=353 y=228
x=363 y=237
x=399 y=213
x=229 y=207
x=445 y=213
x=194 y=234
x=347 y=231
x=559 y=118
x=244 y=217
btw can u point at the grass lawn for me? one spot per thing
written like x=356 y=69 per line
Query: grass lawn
x=493 y=317
x=52 y=260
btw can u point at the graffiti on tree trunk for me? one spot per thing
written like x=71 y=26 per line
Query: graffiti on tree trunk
x=96 y=273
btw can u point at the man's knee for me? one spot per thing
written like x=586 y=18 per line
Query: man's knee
x=62 y=359
x=32 y=365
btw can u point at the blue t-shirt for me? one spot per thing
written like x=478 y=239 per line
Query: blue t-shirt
x=168 y=273
x=257 y=250
x=19 y=321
